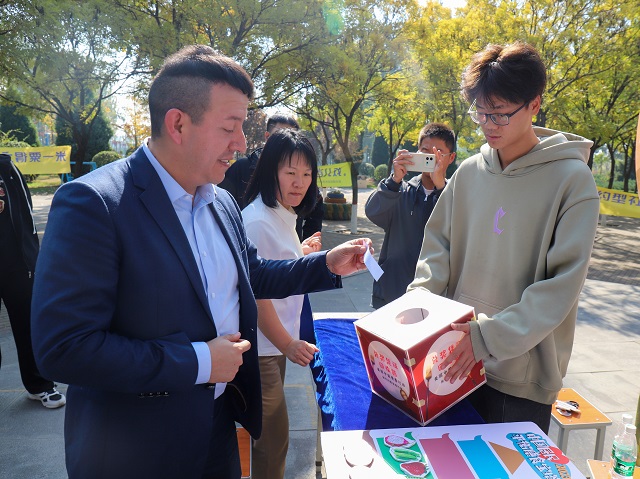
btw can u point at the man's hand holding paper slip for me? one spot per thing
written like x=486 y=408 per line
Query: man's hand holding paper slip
x=372 y=265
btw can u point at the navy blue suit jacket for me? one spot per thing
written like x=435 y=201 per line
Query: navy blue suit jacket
x=117 y=301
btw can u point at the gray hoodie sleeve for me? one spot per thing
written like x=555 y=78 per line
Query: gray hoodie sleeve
x=382 y=202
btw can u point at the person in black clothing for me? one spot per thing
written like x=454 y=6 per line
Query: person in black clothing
x=238 y=175
x=18 y=254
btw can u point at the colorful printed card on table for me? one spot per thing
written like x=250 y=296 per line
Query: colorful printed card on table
x=483 y=451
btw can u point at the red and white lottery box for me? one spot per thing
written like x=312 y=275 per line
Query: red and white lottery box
x=404 y=344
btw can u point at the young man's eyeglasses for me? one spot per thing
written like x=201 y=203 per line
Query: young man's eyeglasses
x=500 y=119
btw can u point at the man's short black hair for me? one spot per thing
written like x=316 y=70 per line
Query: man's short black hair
x=185 y=80
x=282 y=119
x=279 y=149
x=514 y=73
x=441 y=131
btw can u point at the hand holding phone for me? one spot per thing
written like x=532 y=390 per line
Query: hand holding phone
x=423 y=162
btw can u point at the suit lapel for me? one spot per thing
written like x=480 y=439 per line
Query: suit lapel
x=221 y=215
x=154 y=198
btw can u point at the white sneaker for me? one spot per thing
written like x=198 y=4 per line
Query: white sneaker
x=50 y=399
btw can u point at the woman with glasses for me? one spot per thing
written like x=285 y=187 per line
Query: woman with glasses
x=511 y=236
x=282 y=187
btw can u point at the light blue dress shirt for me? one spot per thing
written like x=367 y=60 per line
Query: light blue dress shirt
x=213 y=256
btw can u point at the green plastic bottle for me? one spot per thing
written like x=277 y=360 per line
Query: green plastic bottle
x=625 y=453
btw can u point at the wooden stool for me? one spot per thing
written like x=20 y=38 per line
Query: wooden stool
x=588 y=418
x=600 y=470
x=244 y=445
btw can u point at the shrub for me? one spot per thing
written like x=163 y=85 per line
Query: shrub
x=367 y=169
x=7 y=139
x=381 y=172
x=105 y=157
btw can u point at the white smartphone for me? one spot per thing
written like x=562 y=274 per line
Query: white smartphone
x=424 y=162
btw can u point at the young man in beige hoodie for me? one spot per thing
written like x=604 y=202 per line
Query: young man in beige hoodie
x=511 y=236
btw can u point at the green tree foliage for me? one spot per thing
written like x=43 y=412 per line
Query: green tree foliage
x=310 y=119
x=254 y=127
x=12 y=120
x=8 y=140
x=343 y=65
x=270 y=39
x=97 y=141
x=400 y=111
x=590 y=49
x=135 y=122
x=379 y=155
x=364 y=52
x=68 y=61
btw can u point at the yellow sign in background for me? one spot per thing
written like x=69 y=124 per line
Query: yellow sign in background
x=334 y=176
x=42 y=160
x=619 y=203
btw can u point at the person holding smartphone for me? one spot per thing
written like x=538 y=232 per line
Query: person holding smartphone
x=401 y=208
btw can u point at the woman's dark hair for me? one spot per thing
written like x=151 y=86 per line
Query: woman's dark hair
x=513 y=73
x=279 y=149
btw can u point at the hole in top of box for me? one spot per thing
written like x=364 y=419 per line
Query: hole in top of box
x=412 y=316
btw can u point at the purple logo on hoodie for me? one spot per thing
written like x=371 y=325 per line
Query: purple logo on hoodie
x=499 y=214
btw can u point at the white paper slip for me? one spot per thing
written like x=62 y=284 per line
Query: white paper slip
x=372 y=265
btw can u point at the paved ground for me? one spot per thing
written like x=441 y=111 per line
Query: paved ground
x=605 y=364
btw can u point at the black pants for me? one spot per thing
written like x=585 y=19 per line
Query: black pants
x=495 y=406
x=223 y=460
x=15 y=291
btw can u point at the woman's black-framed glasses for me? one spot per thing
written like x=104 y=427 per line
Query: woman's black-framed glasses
x=500 y=119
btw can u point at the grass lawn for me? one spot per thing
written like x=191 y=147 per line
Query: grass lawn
x=44 y=185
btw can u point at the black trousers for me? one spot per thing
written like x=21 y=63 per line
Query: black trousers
x=223 y=460
x=15 y=291
x=495 y=406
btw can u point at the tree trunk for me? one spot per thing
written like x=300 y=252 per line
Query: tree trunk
x=634 y=154
x=541 y=118
x=612 y=170
x=594 y=148
x=82 y=143
x=628 y=166
x=354 y=199
x=390 y=145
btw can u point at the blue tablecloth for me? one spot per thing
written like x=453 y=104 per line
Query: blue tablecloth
x=343 y=392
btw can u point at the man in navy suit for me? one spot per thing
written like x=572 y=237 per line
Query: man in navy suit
x=144 y=302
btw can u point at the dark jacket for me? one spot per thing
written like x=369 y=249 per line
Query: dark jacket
x=401 y=211
x=20 y=212
x=238 y=175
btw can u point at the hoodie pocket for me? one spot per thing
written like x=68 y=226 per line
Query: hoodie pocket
x=478 y=305
x=514 y=370
x=511 y=371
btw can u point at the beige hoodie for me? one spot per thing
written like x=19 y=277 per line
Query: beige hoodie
x=515 y=244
